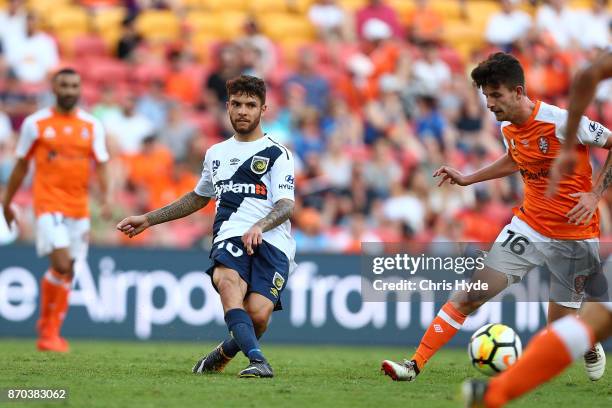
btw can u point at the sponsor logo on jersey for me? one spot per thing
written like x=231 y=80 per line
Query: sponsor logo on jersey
x=234 y=161
x=68 y=130
x=593 y=126
x=215 y=166
x=278 y=281
x=85 y=133
x=240 y=188
x=596 y=128
x=529 y=175
x=259 y=164
x=274 y=292
x=49 y=133
x=290 y=179
x=543 y=144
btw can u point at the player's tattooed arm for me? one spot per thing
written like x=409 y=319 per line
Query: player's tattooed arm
x=588 y=202
x=281 y=212
x=187 y=204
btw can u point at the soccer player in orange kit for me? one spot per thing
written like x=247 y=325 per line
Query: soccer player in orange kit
x=539 y=233
x=61 y=141
x=558 y=345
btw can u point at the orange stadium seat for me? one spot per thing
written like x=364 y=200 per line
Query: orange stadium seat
x=42 y=8
x=218 y=26
x=352 y=5
x=158 y=25
x=268 y=6
x=402 y=7
x=68 y=20
x=282 y=26
x=226 y=5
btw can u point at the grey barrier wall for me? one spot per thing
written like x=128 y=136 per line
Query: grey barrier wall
x=123 y=293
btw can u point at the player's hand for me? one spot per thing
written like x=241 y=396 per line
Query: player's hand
x=9 y=214
x=134 y=225
x=449 y=173
x=584 y=210
x=564 y=164
x=252 y=238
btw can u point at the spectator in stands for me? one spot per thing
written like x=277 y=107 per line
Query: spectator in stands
x=560 y=22
x=129 y=39
x=228 y=65
x=130 y=128
x=381 y=11
x=107 y=109
x=308 y=137
x=429 y=122
x=431 y=73
x=180 y=84
x=595 y=26
x=424 y=23
x=408 y=203
x=330 y=20
x=33 y=57
x=507 y=26
x=382 y=50
x=15 y=101
x=254 y=39
x=178 y=132
x=13 y=22
x=382 y=171
x=153 y=104
x=310 y=236
x=337 y=164
x=306 y=74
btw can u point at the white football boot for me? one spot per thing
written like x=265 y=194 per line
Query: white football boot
x=405 y=371
x=595 y=362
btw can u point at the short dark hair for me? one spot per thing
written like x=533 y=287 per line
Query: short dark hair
x=499 y=69
x=65 y=71
x=248 y=85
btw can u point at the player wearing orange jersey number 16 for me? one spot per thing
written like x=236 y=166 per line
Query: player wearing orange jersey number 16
x=61 y=141
x=539 y=233
x=559 y=344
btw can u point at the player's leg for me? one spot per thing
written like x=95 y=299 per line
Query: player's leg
x=52 y=239
x=574 y=265
x=551 y=351
x=259 y=309
x=447 y=323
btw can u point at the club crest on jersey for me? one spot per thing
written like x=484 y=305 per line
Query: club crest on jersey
x=259 y=164
x=543 y=144
x=49 y=133
x=278 y=281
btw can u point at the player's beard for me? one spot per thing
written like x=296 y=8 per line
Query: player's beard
x=67 y=103
x=252 y=126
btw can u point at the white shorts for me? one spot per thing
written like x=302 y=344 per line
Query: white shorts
x=54 y=231
x=519 y=248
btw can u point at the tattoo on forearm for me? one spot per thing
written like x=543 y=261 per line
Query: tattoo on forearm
x=281 y=212
x=605 y=178
x=187 y=204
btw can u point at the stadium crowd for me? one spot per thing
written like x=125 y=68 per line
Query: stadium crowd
x=372 y=97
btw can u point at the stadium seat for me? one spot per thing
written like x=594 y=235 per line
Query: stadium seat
x=90 y=45
x=226 y=5
x=352 y=5
x=43 y=8
x=105 y=70
x=282 y=26
x=66 y=20
x=158 y=25
x=402 y=7
x=268 y=6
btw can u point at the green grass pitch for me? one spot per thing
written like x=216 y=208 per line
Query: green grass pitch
x=156 y=374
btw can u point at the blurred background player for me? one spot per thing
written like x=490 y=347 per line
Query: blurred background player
x=61 y=141
x=533 y=133
x=252 y=178
x=555 y=347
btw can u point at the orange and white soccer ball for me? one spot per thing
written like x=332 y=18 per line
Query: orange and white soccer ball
x=493 y=348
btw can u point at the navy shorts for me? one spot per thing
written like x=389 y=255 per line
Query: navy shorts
x=265 y=272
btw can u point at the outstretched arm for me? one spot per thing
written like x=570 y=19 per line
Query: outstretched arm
x=281 y=212
x=187 y=204
x=17 y=175
x=502 y=167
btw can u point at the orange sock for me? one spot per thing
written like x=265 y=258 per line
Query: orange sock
x=550 y=352
x=63 y=291
x=445 y=325
x=47 y=307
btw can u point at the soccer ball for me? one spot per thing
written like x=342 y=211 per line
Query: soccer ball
x=493 y=348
